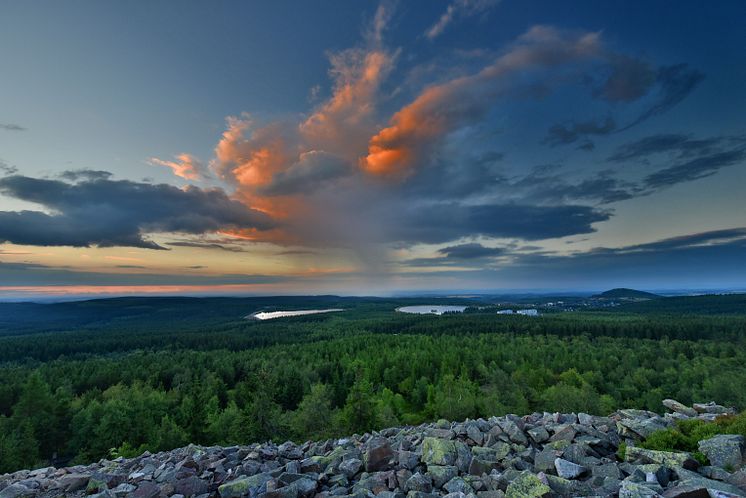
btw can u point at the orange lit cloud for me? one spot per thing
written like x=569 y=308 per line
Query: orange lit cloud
x=443 y=108
x=342 y=124
x=186 y=166
x=277 y=167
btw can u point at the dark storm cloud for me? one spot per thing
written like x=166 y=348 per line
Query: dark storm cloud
x=714 y=237
x=7 y=169
x=444 y=222
x=459 y=255
x=550 y=185
x=675 y=83
x=695 y=169
x=699 y=260
x=313 y=169
x=207 y=245
x=109 y=213
x=630 y=79
x=11 y=127
x=74 y=175
x=694 y=260
x=602 y=188
x=680 y=144
x=688 y=158
x=567 y=133
x=470 y=251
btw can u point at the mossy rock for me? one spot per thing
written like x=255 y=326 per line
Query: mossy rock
x=439 y=451
x=527 y=485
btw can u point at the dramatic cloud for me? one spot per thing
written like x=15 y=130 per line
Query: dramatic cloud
x=458 y=9
x=443 y=108
x=712 y=238
x=74 y=175
x=11 y=127
x=458 y=256
x=697 y=168
x=343 y=123
x=314 y=168
x=470 y=251
x=674 y=84
x=694 y=260
x=631 y=80
x=561 y=134
x=7 y=169
x=207 y=245
x=444 y=222
x=310 y=174
x=552 y=186
x=688 y=158
x=185 y=166
x=108 y=213
x=680 y=145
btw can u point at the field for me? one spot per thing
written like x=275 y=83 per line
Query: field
x=84 y=380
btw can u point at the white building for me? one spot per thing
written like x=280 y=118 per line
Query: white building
x=528 y=312
x=505 y=312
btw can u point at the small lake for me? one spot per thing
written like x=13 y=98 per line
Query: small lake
x=269 y=315
x=431 y=309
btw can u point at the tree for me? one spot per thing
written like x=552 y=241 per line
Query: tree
x=18 y=446
x=359 y=413
x=167 y=436
x=453 y=398
x=314 y=418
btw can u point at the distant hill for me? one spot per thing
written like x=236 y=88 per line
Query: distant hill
x=622 y=293
x=708 y=304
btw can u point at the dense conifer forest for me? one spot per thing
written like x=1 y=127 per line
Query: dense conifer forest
x=81 y=381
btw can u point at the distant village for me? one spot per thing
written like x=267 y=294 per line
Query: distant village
x=528 y=312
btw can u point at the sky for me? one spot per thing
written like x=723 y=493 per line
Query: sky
x=371 y=147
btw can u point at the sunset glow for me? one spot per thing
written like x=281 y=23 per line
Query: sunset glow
x=485 y=146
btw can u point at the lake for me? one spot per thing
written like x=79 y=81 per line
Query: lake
x=269 y=315
x=431 y=309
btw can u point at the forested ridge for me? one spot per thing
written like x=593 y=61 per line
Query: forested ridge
x=120 y=382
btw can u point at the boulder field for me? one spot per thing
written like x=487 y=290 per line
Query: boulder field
x=537 y=455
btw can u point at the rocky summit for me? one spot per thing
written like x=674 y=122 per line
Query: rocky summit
x=537 y=455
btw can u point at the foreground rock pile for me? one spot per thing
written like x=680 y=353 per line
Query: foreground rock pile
x=538 y=455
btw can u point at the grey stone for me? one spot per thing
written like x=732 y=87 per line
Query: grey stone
x=567 y=469
x=514 y=432
x=711 y=407
x=686 y=491
x=630 y=489
x=350 y=467
x=73 y=482
x=669 y=458
x=419 y=482
x=457 y=484
x=674 y=405
x=694 y=479
x=441 y=474
x=146 y=489
x=408 y=459
x=378 y=455
x=538 y=434
x=544 y=460
x=724 y=450
x=17 y=491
